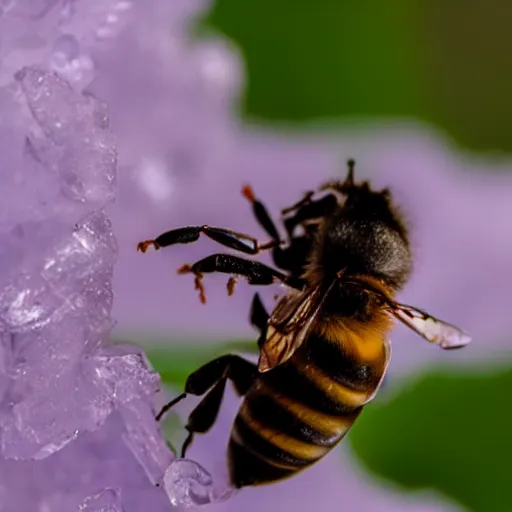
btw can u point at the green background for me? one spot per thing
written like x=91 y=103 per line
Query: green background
x=445 y=62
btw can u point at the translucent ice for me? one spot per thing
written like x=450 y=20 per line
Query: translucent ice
x=189 y=485
x=77 y=413
x=77 y=427
x=29 y=8
x=107 y=500
x=61 y=381
x=69 y=61
x=69 y=139
x=60 y=33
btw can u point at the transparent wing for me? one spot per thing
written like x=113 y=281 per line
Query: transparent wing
x=289 y=325
x=436 y=331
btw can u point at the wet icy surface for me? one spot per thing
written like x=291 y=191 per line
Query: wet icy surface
x=77 y=427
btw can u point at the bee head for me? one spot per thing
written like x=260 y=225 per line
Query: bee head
x=367 y=233
x=364 y=202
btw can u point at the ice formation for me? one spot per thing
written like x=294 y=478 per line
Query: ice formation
x=77 y=428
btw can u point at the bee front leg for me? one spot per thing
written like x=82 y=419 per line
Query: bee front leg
x=255 y=272
x=227 y=237
x=211 y=379
x=309 y=212
x=261 y=213
x=291 y=258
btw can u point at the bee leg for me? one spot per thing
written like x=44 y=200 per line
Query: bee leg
x=232 y=239
x=261 y=213
x=310 y=211
x=259 y=318
x=234 y=367
x=292 y=258
x=255 y=272
x=306 y=199
x=202 y=418
x=211 y=379
x=169 y=406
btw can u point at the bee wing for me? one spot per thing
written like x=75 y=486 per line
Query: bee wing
x=289 y=325
x=436 y=331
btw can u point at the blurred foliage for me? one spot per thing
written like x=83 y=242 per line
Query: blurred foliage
x=445 y=62
x=435 y=434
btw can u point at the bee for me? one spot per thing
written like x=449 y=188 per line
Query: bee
x=323 y=349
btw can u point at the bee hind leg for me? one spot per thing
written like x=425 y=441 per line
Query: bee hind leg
x=211 y=379
x=259 y=318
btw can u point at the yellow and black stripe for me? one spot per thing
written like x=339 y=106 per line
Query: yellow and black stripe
x=295 y=413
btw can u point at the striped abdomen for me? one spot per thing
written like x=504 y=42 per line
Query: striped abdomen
x=297 y=412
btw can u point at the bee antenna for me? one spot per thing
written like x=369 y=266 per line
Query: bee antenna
x=349 y=180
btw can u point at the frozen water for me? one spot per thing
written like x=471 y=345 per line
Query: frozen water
x=77 y=427
x=59 y=33
x=32 y=9
x=71 y=142
x=59 y=378
x=107 y=500
x=69 y=61
x=189 y=485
